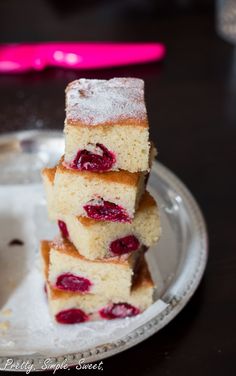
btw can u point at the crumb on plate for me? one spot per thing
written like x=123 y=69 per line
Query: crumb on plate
x=6 y=312
x=4 y=326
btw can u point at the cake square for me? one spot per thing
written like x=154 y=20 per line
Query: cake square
x=106 y=126
x=72 y=308
x=109 y=196
x=70 y=271
x=98 y=239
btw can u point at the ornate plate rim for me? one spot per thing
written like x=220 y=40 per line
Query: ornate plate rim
x=175 y=303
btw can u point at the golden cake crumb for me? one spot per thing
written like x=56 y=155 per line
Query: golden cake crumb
x=6 y=312
x=4 y=326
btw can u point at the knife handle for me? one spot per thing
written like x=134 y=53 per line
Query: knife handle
x=23 y=57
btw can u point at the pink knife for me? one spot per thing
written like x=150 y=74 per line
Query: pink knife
x=23 y=57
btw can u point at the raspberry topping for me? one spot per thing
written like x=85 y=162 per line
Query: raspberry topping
x=124 y=245
x=106 y=211
x=63 y=229
x=118 y=311
x=71 y=282
x=99 y=158
x=71 y=316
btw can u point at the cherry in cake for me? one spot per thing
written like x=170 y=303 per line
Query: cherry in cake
x=71 y=282
x=94 y=158
x=118 y=311
x=71 y=316
x=124 y=245
x=63 y=229
x=106 y=211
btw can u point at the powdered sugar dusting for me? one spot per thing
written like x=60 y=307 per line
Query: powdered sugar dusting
x=100 y=101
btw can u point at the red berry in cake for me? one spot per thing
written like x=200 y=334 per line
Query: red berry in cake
x=71 y=316
x=99 y=158
x=71 y=282
x=106 y=211
x=124 y=245
x=118 y=311
x=63 y=229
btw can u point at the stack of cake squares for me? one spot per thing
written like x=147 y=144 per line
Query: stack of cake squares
x=96 y=268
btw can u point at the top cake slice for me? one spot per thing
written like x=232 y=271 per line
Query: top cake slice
x=106 y=126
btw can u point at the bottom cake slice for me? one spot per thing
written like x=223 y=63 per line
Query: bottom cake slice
x=72 y=308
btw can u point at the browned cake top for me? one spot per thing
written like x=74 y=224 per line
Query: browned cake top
x=66 y=247
x=146 y=201
x=120 y=177
x=106 y=102
x=49 y=173
x=45 y=251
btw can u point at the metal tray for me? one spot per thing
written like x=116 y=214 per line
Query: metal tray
x=179 y=258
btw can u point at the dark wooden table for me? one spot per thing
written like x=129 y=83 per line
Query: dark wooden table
x=191 y=99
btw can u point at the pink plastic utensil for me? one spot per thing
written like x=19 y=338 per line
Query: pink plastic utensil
x=23 y=57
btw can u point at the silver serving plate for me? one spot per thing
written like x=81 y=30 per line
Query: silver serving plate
x=180 y=256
